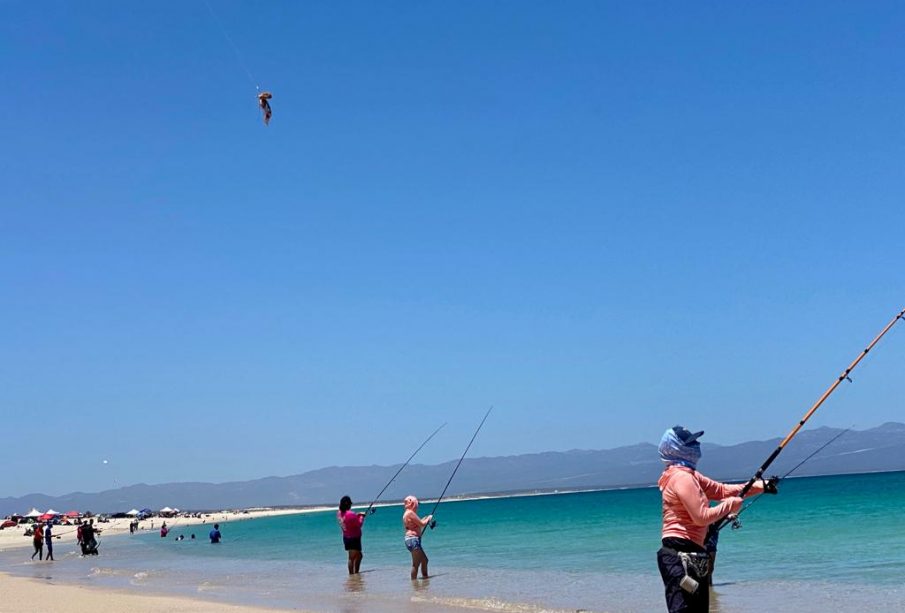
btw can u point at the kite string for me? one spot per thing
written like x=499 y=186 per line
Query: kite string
x=233 y=44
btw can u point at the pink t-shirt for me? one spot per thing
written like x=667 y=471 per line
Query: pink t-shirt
x=350 y=522
x=686 y=502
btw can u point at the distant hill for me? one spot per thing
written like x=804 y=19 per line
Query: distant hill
x=876 y=449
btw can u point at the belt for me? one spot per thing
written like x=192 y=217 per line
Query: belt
x=698 y=561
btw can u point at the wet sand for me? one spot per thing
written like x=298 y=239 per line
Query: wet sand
x=22 y=595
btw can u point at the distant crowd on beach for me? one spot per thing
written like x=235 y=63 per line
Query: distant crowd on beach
x=42 y=538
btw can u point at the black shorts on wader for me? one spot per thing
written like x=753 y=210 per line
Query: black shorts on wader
x=674 y=571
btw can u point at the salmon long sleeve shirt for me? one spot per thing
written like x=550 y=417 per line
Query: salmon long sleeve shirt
x=686 y=502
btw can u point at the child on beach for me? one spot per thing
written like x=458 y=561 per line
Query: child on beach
x=414 y=525
x=351 y=523
x=683 y=560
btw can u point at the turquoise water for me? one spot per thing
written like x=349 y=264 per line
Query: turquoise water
x=824 y=543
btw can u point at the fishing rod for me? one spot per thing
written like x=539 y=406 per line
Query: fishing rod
x=832 y=388
x=736 y=524
x=426 y=441
x=433 y=523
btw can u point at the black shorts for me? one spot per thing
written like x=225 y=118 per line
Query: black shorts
x=672 y=571
x=352 y=543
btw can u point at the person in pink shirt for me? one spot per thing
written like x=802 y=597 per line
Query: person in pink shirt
x=350 y=523
x=683 y=561
x=414 y=525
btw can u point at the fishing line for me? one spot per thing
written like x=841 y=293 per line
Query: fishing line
x=456 y=469
x=426 y=441
x=232 y=44
x=832 y=388
x=736 y=524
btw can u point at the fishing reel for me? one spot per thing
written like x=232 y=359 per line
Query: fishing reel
x=433 y=524
x=735 y=521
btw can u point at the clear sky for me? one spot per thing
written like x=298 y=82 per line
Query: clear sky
x=603 y=218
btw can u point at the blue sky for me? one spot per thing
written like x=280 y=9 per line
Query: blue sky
x=601 y=218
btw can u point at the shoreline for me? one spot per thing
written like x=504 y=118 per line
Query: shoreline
x=295 y=562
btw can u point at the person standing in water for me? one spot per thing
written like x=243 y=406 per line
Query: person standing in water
x=683 y=561
x=350 y=523
x=48 y=540
x=38 y=541
x=215 y=535
x=414 y=526
x=89 y=540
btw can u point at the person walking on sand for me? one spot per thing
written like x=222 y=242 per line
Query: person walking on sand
x=48 y=540
x=350 y=523
x=414 y=526
x=683 y=561
x=38 y=541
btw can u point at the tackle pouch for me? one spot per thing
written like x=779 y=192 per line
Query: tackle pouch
x=696 y=566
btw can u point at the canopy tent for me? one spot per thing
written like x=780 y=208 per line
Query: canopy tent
x=51 y=512
x=34 y=513
x=146 y=511
x=133 y=513
x=166 y=512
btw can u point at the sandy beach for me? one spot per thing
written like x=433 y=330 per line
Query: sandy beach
x=30 y=595
x=15 y=537
x=21 y=595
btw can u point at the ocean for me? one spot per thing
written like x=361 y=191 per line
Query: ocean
x=824 y=543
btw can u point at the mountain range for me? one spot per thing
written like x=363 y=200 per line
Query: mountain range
x=856 y=451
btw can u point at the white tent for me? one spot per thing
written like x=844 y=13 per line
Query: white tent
x=133 y=513
x=166 y=512
x=34 y=513
x=51 y=512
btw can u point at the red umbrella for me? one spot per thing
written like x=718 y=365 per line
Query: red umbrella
x=72 y=514
x=46 y=517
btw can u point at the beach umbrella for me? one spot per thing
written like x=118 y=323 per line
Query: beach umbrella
x=73 y=514
x=46 y=517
